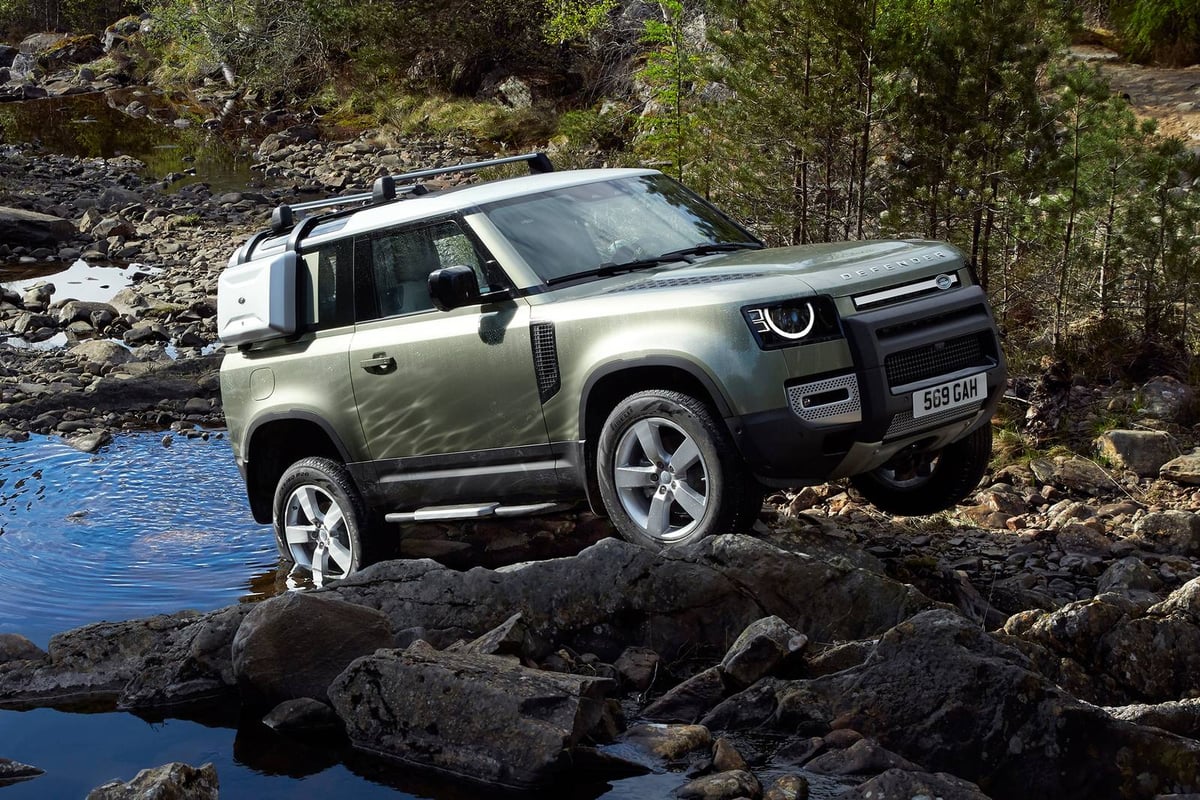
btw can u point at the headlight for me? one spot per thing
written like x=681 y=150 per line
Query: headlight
x=812 y=319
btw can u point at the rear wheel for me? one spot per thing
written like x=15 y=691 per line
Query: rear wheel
x=668 y=472
x=926 y=483
x=320 y=519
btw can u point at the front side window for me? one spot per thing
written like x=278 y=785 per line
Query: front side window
x=576 y=230
x=401 y=262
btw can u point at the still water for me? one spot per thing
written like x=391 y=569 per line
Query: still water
x=141 y=529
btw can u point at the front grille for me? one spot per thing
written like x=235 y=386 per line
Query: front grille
x=941 y=358
x=904 y=424
x=545 y=359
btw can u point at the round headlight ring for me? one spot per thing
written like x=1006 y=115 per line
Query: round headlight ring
x=769 y=316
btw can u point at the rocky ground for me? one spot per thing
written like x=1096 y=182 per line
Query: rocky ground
x=1041 y=640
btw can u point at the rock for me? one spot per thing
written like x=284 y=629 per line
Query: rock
x=79 y=310
x=721 y=786
x=726 y=758
x=480 y=717
x=1177 y=716
x=667 y=742
x=175 y=781
x=788 y=787
x=510 y=638
x=70 y=50
x=114 y=226
x=1131 y=578
x=14 y=771
x=1173 y=531
x=102 y=352
x=863 y=757
x=637 y=668
x=90 y=442
x=614 y=594
x=303 y=715
x=1143 y=452
x=901 y=783
x=1167 y=399
x=1071 y=472
x=15 y=647
x=690 y=700
x=760 y=648
x=116 y=197
x=944 y=694
x=31 y=229
x=1184 y=469
x=294 y=645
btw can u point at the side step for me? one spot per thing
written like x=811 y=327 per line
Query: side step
x=472 y=511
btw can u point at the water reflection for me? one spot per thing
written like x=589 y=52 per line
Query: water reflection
x=93 y=125
x=134 y=530
x=76 y=281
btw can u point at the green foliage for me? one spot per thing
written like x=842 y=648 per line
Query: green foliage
x=20 y=17
x=576 y=19
x=444 y=116
x=1165 y=30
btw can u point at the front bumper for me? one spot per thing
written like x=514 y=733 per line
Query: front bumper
x=833 y=426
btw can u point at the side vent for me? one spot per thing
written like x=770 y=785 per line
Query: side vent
x=545 y=359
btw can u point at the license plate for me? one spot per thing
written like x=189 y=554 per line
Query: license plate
x=952 y=394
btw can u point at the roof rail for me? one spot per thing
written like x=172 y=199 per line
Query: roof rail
x=384 y=190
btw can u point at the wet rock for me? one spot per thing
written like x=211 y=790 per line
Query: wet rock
x=294 y=645
x=667 y=742
x=690 y=700
x=1143 y=452
x=480 y=717
x=863 y=757
x=31 y=229
x=90 y=442
x=15 y=647
x=901 y=783
x=303 y=715
x=1167 y=399
x=1172 y=531
x=721 y=786
x=175 y=781
x=1185 y=469
x=788 y=787
x=14 y=772
x=726 y=758
x=760 y=648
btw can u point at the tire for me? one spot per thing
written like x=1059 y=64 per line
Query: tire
x=929 y=482
x=669 y=473
x=320 y=519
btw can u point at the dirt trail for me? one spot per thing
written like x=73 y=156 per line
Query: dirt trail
x=1171 y=96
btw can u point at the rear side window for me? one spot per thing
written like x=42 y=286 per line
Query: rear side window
x=326 y=286
x=400 y=263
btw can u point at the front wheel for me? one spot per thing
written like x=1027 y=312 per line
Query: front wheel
x=669 y=473
x=926 y=483
x=320 y=519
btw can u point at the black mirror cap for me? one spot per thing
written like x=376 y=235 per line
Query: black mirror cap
x=453 y=287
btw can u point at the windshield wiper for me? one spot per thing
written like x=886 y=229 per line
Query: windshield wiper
x=686 y=254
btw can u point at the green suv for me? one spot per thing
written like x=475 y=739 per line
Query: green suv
x=499 y=348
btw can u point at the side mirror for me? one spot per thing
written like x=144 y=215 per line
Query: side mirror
x=453 y=287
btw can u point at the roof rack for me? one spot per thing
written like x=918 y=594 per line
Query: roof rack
x=384 y=190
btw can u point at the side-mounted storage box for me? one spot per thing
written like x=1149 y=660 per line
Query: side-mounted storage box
x=257 y=300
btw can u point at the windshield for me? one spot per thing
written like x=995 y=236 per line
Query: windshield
x=599 y=227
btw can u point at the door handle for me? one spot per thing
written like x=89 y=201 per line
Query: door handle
x=378 y=363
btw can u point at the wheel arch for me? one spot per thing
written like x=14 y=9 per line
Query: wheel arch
x=612 y=383
x=277 y=441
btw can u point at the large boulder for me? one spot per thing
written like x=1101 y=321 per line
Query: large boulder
x=294 y=645
x=476 y=716
x=1167 y=399
x=31 y=229
x=1184 y=469
x=1143 y=452
x=615 y=594
x=1174 y=531
x=156 y=662
x=944 y=694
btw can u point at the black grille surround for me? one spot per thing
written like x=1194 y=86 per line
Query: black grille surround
x=939 y=358
x=545 y=359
